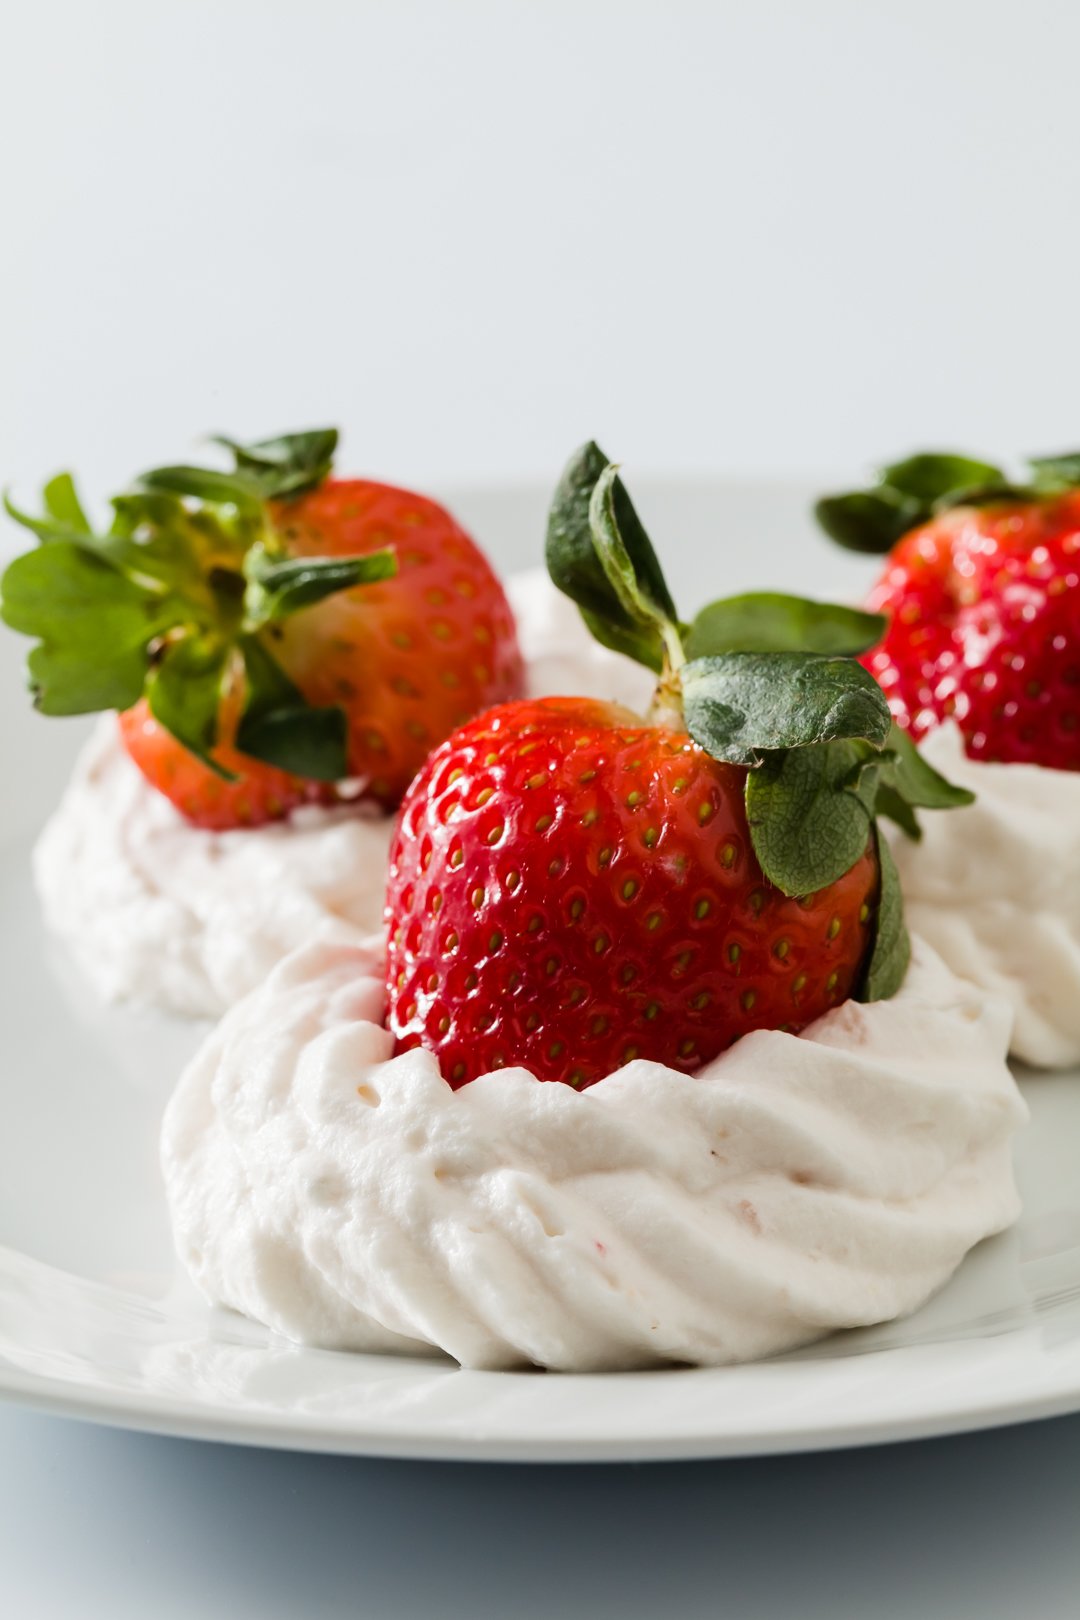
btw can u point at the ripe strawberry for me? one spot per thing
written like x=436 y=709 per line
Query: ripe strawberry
x=267 y=633
x=983 y=609
x=409 y=657
x=572 y=886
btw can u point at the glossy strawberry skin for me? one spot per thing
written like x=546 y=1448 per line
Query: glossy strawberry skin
x=984 y=610
x=408 y=659
x=570 y=889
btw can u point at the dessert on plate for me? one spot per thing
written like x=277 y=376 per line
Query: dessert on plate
x=643 y=1067
x=281 y=648
x=797 y=1184
x=980 y=661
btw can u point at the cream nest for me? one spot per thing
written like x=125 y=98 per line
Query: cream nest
x=796 y=1185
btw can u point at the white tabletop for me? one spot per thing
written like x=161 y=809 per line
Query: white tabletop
x=97 y=1523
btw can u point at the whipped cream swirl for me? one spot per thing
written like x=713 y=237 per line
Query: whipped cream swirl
x=158 y=911
x=796 y=1185
x=995 y=889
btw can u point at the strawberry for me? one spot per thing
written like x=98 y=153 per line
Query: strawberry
x=981 y=594
x=267 y=634
x=572 y=886
x=408 y=658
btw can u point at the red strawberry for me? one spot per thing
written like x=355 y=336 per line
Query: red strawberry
x=288 y=630
x=409 y=657
x=572 y=886
x=983 y=609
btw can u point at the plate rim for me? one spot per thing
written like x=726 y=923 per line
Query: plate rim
x=196 y=1421
x=469 y=1440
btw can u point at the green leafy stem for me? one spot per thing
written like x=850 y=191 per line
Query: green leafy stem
x=908 y=493
x=173 y=601
x=766 y=681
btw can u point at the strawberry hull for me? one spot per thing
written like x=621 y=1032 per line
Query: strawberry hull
x=267 y=633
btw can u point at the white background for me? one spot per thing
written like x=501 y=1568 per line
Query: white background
x=737 y=237
x=753 y=235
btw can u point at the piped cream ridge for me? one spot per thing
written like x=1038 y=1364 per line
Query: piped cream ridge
x=798 y=1184
x=995 y=889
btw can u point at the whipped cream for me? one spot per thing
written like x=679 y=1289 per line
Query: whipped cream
x=798 y=1184
x=995 y=889
x=156 y=910
x=161 y=912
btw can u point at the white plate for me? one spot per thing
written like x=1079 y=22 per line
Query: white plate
x=95 y=1323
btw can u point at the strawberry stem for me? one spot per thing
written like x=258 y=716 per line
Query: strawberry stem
x=666 y=708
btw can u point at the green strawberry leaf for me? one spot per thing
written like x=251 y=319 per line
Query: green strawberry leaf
x=281 y=728
x=915 y=780
x=805 y=806
x=617 y=640
x=287 y=464
x=149 y=540
x=278 y=587
x=807 y=829
x=906 y=781
x=306 y=741
x=868 y=520
x=911 y=492
x=139 y=562
x=891 y=804
x=643 y=595
x=865 y=778
x=932 y=474
x=49 y=528
x=61 y=501
x=739 y=706
x=611 y=570
x=768 y=621
x=94 y=624
x=1055 y=473
x=203 y=484
x=984 y=495
x=891 y=951
x=184 y=694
